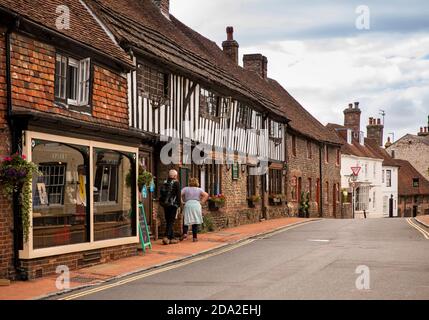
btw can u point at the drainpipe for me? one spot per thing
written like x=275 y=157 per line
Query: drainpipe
x=321 y=160
x=17 y=224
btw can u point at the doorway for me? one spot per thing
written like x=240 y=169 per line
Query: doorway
x=415 y=209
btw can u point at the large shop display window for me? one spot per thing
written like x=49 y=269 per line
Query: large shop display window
x=60 y=204
x=68 y=208
x=113 y=214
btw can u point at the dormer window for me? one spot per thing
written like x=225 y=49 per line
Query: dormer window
x=72 y=80
x=416 y=182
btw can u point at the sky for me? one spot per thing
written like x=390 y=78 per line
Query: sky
x=317 y=52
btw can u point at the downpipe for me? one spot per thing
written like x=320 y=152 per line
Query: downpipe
x=15 y=134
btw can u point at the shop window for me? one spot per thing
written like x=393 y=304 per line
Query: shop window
x=60 y=202
x=212 y=179
x=251 y=183
x=114 y=205
x=72 y=80
x=275 y=182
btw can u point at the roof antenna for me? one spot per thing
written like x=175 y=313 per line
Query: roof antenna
x=383 y=114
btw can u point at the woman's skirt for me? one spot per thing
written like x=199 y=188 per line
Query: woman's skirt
x=193 y=213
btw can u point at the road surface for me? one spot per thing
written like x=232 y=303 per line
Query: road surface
x=314 y=261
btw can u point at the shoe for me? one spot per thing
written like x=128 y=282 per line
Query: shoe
x=174 y=241
x=195 y=240
x=165 y=241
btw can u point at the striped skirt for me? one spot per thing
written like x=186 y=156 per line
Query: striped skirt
x=193 y=213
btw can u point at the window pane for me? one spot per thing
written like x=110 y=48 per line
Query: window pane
x=59 y=195
x=73 y=82
x=114 y=200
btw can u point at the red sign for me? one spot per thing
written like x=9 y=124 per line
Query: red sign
x=356 y=170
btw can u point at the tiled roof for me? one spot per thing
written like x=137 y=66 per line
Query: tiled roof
x=355 y=149
x=406 y=175
x=140 y=24
x=380 y=152
x=84 y=28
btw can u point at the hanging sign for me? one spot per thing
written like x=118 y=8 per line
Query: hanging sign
x=144 y=230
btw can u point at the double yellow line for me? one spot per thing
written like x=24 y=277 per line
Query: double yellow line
x=152 y=273
x=418 y=228
x=177 y=265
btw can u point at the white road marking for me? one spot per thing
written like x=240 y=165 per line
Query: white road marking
x=317 y=240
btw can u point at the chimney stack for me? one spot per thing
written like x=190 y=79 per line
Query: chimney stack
x=388 y=143
x=230 y=46
x=375 y=130
x=164 y=6
x=352 y=116
x=256 y=63
x=424 y=131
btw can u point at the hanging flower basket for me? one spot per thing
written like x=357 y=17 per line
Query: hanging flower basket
x=216 y=202
x=253 y=200
x=15 y=178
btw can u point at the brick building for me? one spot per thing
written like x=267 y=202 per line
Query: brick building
x=63 y=104
x=413 y=191
x=375 y=190
x=90 y=100
x=414 y=149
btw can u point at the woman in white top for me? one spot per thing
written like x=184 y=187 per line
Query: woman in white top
x=193 y=196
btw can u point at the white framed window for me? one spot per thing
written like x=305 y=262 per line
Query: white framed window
x=388 y=178
x=72 y=80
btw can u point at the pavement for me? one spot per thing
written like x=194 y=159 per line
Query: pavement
x=424 y=220
x=157 y=257
x=325 y=260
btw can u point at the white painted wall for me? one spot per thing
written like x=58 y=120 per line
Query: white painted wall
x=389 y=191
x=370 y=175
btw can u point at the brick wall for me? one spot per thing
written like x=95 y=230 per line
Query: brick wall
x=42 y=267
x=6 y=218
x=33 y=74
x=407 y=203
x=412 y=149
x=301 y=166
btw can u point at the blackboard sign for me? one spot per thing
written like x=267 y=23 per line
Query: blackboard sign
x=235 y=171
x=144 y=230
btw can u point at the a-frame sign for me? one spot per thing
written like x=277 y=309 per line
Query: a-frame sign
x=144 y=230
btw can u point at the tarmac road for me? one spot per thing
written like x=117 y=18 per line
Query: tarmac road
x=314 y=261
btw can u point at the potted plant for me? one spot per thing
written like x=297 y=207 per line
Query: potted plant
x=216 y=202
x=252 y=200
x=304 y=206
x=144 y=178
x=15 y=179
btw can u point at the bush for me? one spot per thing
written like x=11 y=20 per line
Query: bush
x=208 y=224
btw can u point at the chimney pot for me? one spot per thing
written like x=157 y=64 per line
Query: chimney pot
x=230 y=33
x=379 y=121
x=357 y=105
x=230 y=46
